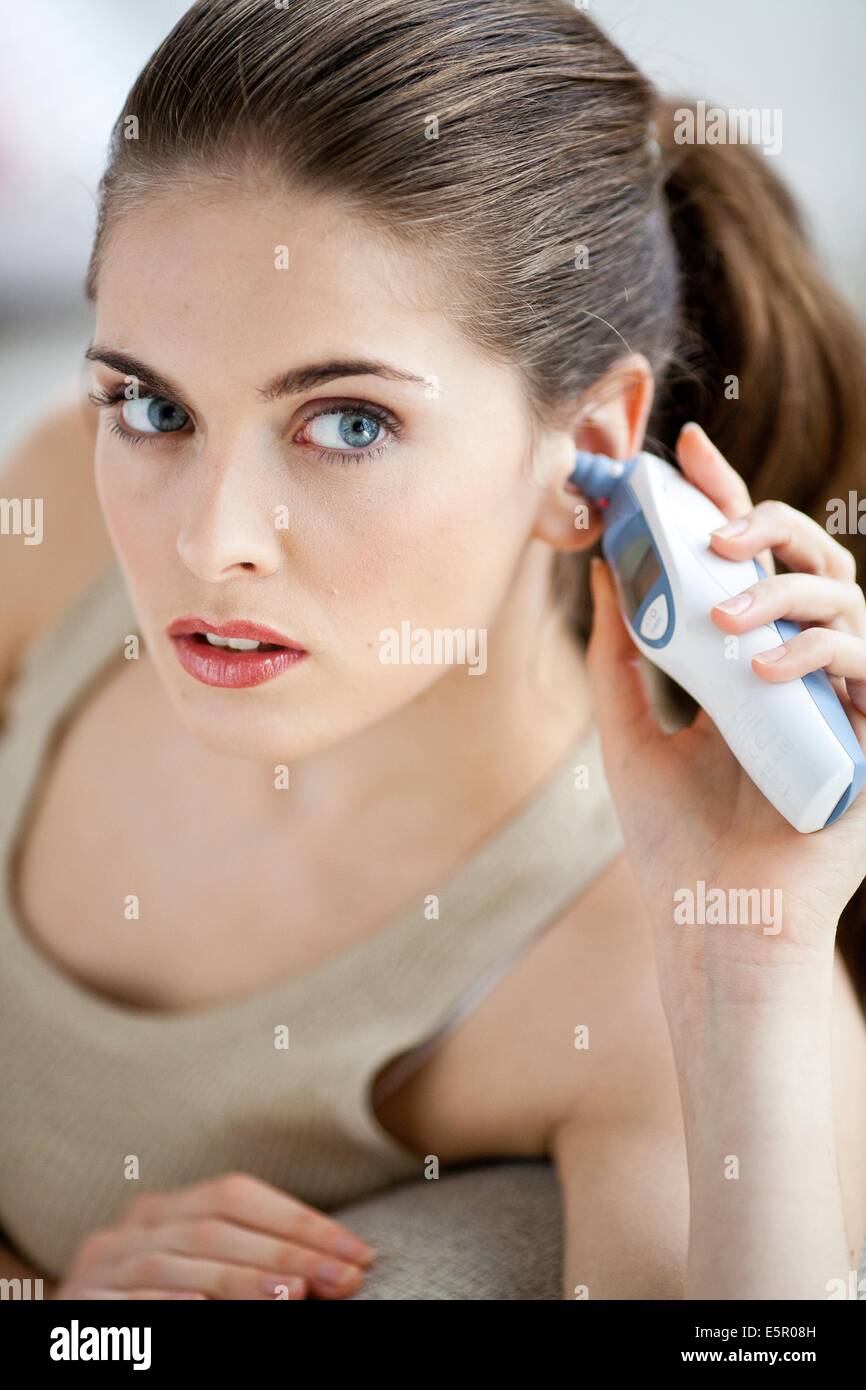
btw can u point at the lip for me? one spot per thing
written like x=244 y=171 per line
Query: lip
x=256 y=632
x=220 y=666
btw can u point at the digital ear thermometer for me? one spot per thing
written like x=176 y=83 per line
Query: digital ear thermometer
x=793 y=739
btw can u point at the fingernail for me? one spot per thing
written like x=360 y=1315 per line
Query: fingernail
x=275 y=1283
x=691 y=425
x=733 y=528
x=348 y=1248
x=737 y=604
x=333 y=1274
x=774 y=654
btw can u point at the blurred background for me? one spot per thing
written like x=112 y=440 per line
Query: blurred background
x=66 y=65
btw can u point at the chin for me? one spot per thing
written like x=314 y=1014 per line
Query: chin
x=233 y=725
x=271 y=741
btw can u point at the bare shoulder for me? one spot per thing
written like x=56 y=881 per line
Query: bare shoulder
x=49 y=476
x=595 y=1046
x=573 y=1030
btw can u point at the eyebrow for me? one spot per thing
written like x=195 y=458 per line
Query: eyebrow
x=283 y=384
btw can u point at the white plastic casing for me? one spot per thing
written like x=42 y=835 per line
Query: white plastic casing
x=777 y=732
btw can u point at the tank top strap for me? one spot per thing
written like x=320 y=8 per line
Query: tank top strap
x=403 y=989
x=506 y=896
x=520 y=878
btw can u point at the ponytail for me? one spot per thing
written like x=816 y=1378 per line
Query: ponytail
x=772 y=362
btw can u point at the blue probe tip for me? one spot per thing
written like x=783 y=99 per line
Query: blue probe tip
x=596 y=475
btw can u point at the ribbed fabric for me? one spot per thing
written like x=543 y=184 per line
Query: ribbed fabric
x=90 y=1084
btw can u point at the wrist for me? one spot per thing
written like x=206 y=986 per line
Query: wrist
x=715 y=977
x=729 y=1050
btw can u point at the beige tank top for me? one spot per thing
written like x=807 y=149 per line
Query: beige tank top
x=94 y=1091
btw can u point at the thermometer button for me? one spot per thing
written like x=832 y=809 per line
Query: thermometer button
x=655 y=620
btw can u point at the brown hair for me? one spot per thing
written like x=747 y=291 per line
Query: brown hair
x=695 y=254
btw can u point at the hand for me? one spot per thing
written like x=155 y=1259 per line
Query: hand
x=231 y=1237
x=687 y=809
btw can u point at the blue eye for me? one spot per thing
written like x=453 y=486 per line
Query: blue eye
x=152 y=414
x=343 y=431
x=163 y=415
x=354 y=428
x=350 y=432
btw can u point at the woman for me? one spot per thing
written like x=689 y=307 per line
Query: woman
x=364 y=279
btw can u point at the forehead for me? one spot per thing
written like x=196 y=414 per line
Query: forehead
x=225 y=282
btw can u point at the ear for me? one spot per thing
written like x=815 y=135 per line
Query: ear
x=611 y=419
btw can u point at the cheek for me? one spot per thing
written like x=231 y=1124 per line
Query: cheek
x=133 y=518
x=441 y=556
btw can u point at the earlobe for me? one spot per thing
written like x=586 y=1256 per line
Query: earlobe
x=567 y=520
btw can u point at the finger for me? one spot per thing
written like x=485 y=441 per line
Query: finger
x=800 y=598
x=818 y=648
x=250 y=1201
x=226 y=1242
x=122 y=1295
x=623 y=709
x=838 y=684
x=706 y=466
x=162 y=1269
x=796 y=539
x=149 y=1294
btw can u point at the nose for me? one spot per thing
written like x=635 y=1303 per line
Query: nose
x=228 y=528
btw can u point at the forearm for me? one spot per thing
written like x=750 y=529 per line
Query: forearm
x=766 y=1213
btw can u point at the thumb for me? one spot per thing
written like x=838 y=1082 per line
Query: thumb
x=623 y=710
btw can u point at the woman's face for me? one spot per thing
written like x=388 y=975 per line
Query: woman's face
x=344 y=505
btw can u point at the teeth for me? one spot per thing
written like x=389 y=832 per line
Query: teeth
x=237 y=644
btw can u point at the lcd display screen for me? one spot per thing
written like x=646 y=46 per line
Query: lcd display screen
x=638 y=571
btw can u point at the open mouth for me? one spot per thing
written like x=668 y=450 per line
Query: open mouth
x=232 y=662
x=236 y=644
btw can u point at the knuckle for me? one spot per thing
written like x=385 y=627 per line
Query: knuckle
x=224 y=1282
x=779 y=519
x=776 y=512
x=819 y=643
x=305 y=1224
x=97 y=1244
x=148 y=1270
x=774 y=587
x=205 y=1234
x=848 y=566
x=858 y=598
x=146 y=1208
x=286 y=1257
x=744 y=506
x=232 y=1190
